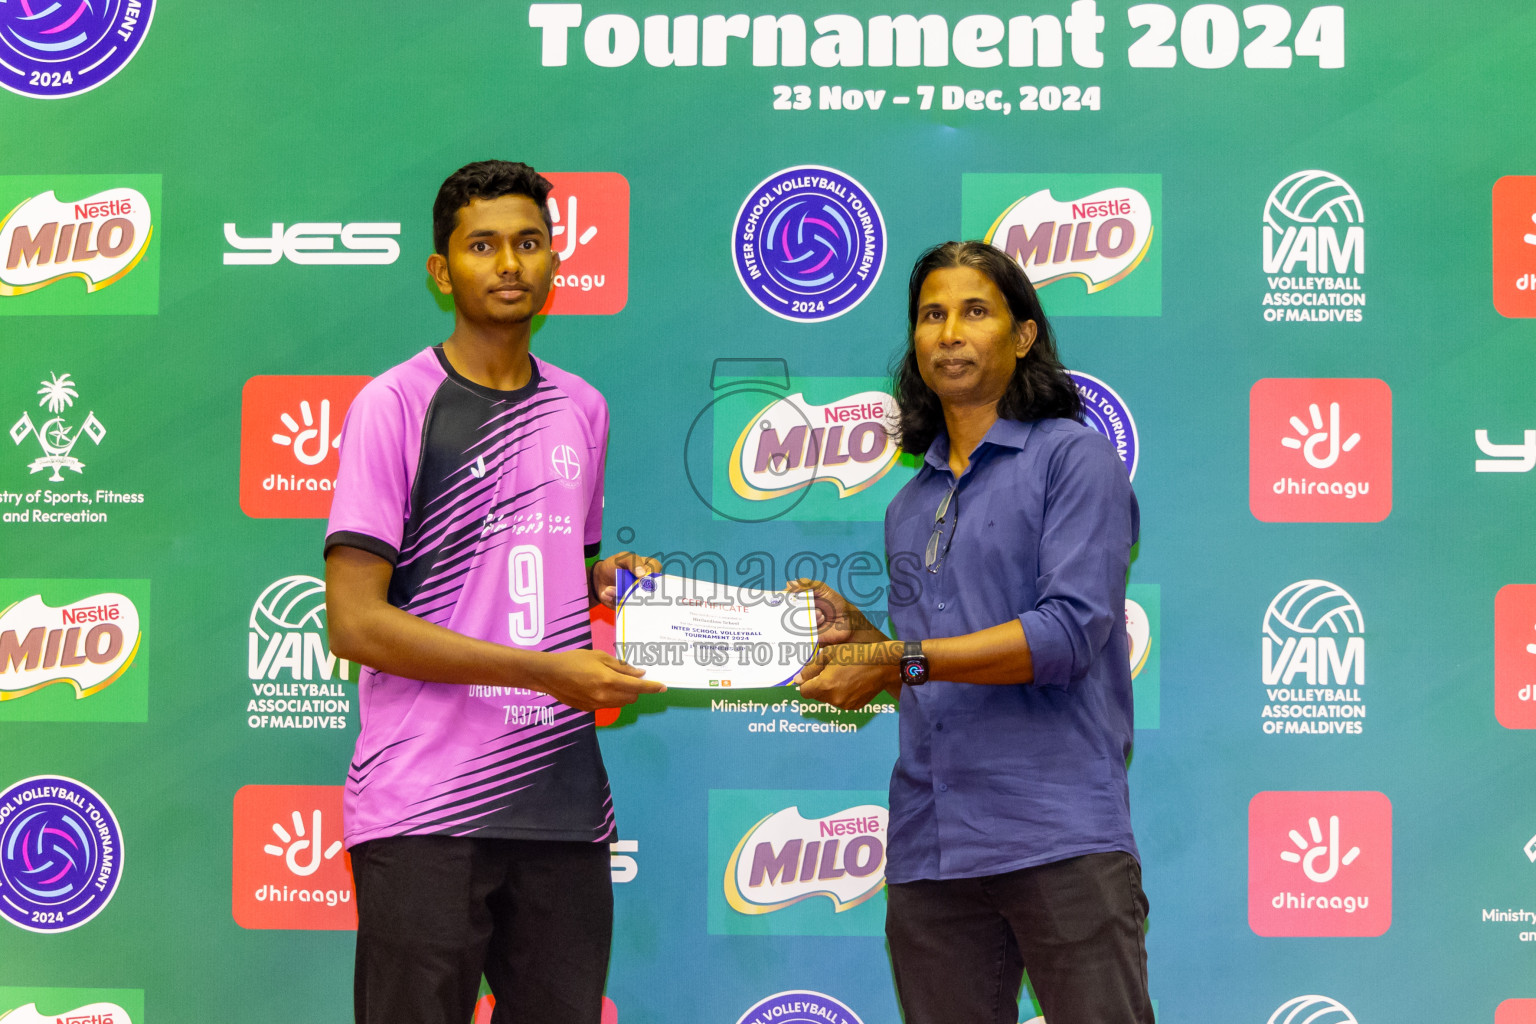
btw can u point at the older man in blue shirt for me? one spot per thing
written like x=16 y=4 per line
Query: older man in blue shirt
x=1010 y=834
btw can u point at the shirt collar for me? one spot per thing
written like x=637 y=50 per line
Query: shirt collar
x=1004 y=433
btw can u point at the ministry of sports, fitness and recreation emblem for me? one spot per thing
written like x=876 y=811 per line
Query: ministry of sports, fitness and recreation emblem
x=57 y=438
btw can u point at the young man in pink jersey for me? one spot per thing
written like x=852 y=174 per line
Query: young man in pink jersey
x=460 y=562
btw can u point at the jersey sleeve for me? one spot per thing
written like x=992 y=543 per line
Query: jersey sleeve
x=373 y=485
x=592 y=537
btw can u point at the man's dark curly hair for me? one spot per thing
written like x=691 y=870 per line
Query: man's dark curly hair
x=484 y=179
x=1040 y=387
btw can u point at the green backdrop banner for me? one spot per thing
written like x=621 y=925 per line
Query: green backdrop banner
x=1289 y=251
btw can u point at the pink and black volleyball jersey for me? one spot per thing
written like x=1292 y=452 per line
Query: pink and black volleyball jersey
x=486 y=503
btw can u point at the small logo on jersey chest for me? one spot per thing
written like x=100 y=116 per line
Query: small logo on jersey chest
x=566 y=463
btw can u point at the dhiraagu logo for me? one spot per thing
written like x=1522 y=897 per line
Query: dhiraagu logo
x=1091 y=243
x=787 y=862
x=79 y=244
x=799 y=448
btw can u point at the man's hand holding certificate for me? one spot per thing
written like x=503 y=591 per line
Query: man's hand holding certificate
x=695 y=634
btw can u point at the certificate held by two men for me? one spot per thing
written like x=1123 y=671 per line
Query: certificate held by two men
x=694 y=634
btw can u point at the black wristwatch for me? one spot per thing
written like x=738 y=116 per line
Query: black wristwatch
x=914 y=663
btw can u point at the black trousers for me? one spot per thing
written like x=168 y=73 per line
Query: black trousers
x=959 y=948
x=436 y=912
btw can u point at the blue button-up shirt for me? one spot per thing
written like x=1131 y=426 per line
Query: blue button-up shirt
x=996 y=778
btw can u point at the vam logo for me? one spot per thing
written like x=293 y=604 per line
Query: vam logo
x=295 y=679
x=1314 y=249
x=66 y=48
x=1089 y=241
x=796 y=863
x=61 y=854
x=289 y=867
x=1514 y=656
x=313 y=243
x=589 y=214
x=1514 y=245
x=1312 y=1010
x=290 y=433
x=96 y=229
x=1319 y=864
x=1313 y=661
x=1320 y=450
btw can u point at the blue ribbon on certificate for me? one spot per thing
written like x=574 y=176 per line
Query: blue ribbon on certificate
x=695 y=634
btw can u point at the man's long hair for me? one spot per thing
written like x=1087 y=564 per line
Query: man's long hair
x=1040 y=387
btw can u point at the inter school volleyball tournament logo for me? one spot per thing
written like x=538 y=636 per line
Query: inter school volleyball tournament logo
x=94 y=229
x=1314 y=250
x=1313 y=662
x=809 y=243
x=800 y=1007
x=61 y=854
x=1106 y=412
x=56 y=48
x=1090 y=242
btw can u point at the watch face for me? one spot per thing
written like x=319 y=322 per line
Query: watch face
x=914 y=670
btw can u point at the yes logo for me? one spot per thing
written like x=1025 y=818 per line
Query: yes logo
x=1319 y=864
x=314 y=243
x=1514 y=656
x=79 y=244
x=590 y=232
x=290 y=433
x=289 y=867
x=1091 y=242
x=796 y=863
x=1320 y=450
x=1514 y=245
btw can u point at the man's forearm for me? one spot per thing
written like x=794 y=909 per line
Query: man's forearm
x=394 y=641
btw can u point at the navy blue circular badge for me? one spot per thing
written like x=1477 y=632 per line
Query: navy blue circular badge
x=1106 y=412
x=809 y=243
x=799 y=1008
x=61 y=854
x=55 y=48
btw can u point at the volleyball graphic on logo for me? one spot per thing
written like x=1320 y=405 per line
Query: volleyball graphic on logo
x=61 y=854
x=293 y=602
x=69 y=47
x=1312 y=1010
x=1310 y=197
x=1311 y=607
x=809 y=243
